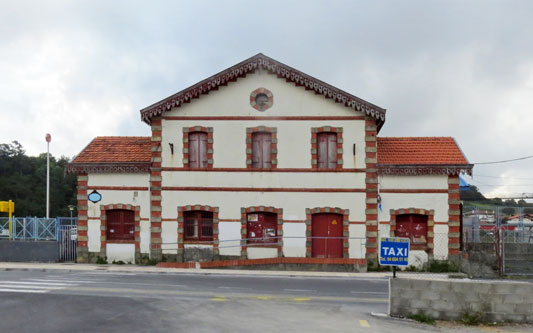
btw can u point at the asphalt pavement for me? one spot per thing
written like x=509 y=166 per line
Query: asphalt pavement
x=93 y=298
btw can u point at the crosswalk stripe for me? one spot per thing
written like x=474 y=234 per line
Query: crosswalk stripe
x=39 y=283
x=24 y=291
x=67 y=281
x=28 y=287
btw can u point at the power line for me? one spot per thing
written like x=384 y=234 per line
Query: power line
x=505 y=161
x=500 y=177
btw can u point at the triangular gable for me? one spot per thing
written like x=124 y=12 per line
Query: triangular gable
x=274 y=67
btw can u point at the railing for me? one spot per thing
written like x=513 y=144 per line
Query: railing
x=33 y=228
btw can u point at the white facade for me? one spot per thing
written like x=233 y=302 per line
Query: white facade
x=294 y=188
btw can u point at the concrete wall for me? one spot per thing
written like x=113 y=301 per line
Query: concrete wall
x=451 y=299
x=22 y=251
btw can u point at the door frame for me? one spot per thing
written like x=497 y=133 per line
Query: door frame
x=309 y=227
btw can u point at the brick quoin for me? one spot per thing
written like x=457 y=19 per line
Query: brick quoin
x=155 y=190
x=454 y=218
x=371 y=189
x=82 y=249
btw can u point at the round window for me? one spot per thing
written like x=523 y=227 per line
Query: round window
x=261 y=99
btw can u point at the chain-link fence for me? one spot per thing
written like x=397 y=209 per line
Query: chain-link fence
x=502 y=233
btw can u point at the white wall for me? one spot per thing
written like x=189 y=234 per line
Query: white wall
x=109 y=196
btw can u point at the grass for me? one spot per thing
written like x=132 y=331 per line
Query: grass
x=441 y=266
x=472 y=318
x=422 y=318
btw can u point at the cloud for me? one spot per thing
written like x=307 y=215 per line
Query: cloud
x=85 y=68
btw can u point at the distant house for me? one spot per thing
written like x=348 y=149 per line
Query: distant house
x=264 y=161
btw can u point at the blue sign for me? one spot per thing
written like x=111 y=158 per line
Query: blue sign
x=94 y=196
x=394 y=251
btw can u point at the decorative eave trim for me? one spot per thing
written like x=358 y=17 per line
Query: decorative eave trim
x=410 y=170
x=85 y=168
x=274 y=67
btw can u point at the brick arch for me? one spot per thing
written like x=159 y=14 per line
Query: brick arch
x=274 y=149
x=261 y=209
x=181 y=226
x=103 y=227
x=309 y=227
x=209 y=131
x=430 y=213
x=314 y=144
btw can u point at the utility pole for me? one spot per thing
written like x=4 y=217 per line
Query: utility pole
x=48 y=138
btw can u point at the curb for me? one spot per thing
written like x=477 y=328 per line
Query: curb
x=112 y=269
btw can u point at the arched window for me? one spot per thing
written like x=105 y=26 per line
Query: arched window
x=262 y=150
x=198 y=225
x=120 y=224
x=412 y=226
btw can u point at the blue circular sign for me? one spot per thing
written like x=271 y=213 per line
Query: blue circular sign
x=95 y=197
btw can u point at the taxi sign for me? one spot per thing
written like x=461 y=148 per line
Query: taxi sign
x=394 y=251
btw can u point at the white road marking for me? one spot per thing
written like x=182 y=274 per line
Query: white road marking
x=28 y=287
x=24 y=291
x=300 y=290
x=61 y=280
x=39 y=283
x=369 y=292
x=240 y=288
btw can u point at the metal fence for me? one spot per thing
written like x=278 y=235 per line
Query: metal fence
x=33 y=228
x=506 y=233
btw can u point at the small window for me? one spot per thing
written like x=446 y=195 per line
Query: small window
x=262 y=228
x=120 y=224
x=198 y=150
x=327 y=150
x=262 y=150
x=412 y=226
x=198 y=226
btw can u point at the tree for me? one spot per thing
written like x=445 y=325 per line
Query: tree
x=508 y=210
x=23 y=180
x=472 y=194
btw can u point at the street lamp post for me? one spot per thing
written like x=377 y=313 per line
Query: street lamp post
x=48 y=138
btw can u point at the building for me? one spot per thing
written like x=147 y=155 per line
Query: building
x=264 y=161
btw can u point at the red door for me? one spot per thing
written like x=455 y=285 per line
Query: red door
x=323 y=226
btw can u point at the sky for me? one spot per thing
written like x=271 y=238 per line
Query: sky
x=81 y=69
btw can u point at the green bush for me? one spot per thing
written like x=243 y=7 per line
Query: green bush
x=120 y=262
x=101 y=261
x=423 y=318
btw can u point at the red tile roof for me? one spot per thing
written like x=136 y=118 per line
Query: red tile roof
x=116 y=149
x=419 y=151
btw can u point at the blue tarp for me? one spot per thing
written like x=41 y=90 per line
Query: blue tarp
x=463 y=185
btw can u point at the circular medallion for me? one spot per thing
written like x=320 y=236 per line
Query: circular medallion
x=261 y=99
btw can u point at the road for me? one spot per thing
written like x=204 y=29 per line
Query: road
x=34 y=301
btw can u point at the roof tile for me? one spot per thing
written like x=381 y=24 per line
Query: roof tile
x=419 y=151
x=116 y=149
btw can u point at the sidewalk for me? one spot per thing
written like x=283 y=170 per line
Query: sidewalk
x=71 y=267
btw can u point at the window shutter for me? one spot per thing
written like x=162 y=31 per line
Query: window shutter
x=198 y=150
x=322 y=152
x=332 y=151
x=267 y=150
x=202 y=149
x=193 y=150
x=257 y=154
